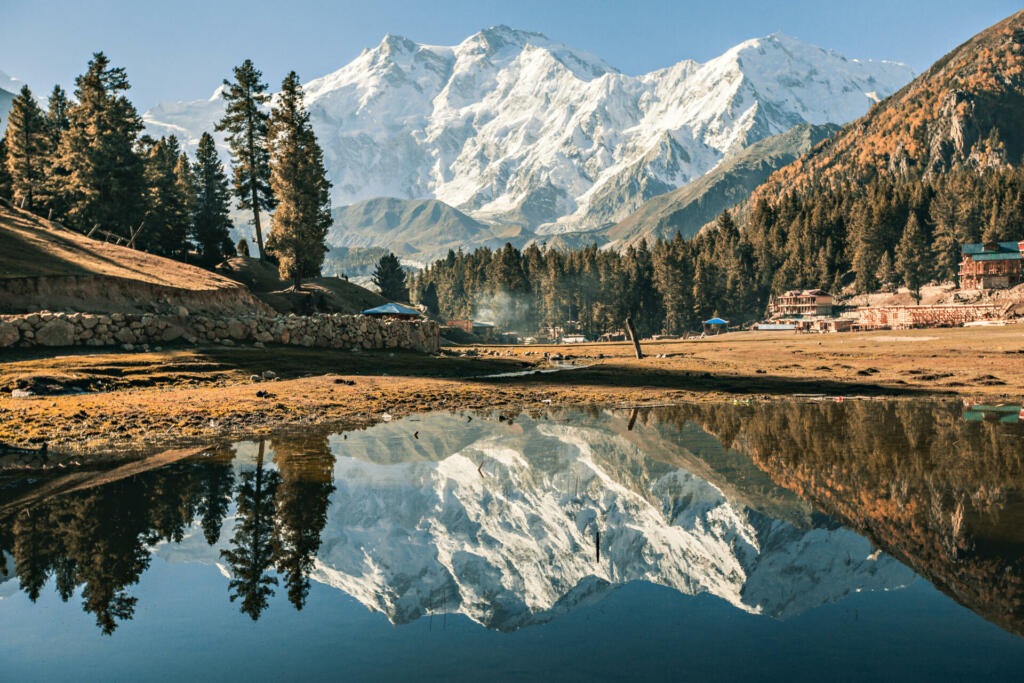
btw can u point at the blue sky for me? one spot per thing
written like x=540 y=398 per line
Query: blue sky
x=182 y=49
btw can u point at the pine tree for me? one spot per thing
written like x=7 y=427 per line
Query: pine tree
x=57 y=123
x=57 y=120
x=247 y=126
x=886 y=274
x=211 y=223
x=104 y=175
x=389 y=277
x=945 y=245
x=27 y=149
x=168 y=220
x=428 y=298
x=242 y=248
x=301 y=188
x=912 y=256
x=5 y=176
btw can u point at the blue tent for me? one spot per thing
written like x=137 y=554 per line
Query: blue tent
x=391 y=309
x=716 y=321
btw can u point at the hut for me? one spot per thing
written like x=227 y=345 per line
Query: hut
x=715 y=326
x=397 y=311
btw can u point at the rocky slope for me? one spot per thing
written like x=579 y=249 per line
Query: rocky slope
x=513 y=127
x=687 y=209
x=966 y=110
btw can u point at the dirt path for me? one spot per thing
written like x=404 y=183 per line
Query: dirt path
x=131 y=401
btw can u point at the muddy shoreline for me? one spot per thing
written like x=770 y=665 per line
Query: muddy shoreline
x=110 y=406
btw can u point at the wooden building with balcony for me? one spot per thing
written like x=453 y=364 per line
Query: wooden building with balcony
x=801 y=303
x=992 y=265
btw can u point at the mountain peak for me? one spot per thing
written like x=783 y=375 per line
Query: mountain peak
x=513 y=128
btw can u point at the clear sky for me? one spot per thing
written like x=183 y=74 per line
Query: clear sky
x=181 y=49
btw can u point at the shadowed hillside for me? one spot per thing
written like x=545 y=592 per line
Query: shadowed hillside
x=44 y=266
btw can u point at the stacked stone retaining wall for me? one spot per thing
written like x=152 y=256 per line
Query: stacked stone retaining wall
x=129 y=331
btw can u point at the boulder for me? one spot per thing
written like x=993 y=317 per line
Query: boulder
x=172 y=332
x=125 y=335
x=56 y=332
x=9 y=334
x=237 y=330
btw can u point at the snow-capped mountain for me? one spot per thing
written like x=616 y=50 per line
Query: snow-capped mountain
x=510 y=126
x=498 y=521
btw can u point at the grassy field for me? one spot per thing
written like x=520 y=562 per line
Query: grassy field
x=91 y=401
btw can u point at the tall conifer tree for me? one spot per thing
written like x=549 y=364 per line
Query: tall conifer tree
x=210 y=221
x=103 y=172
x=246 y=124
x=300 y=185
x=390 y=278
x=5 y=176
x=169 y=193
x=57 y=123
x=27 y=149
x=912 y=256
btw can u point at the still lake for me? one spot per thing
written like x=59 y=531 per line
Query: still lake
x=775 y=541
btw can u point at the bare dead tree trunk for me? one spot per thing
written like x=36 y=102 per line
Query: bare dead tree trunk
x=633 y=338
x=256 y=222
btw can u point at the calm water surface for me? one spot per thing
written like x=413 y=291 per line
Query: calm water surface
x=773 y=541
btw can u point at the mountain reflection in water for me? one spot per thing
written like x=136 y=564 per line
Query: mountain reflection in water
x=775 y=508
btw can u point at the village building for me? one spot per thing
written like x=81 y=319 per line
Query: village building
x=483 y=330
x=992 y=265
x=801 y=303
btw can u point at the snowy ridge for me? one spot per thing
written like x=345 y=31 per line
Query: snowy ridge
x=497 y=522
x=512 y=127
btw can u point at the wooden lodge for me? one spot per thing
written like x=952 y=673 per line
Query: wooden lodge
x=803 y=303
x=992 y=265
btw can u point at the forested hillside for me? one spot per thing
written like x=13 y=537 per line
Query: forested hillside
x=893 y=196
x=887 y=201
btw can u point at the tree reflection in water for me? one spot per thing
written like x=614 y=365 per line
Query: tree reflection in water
x=99 y=539
x=942 y=495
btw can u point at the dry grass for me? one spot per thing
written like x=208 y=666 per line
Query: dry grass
x=34 y=247
x=181 y=396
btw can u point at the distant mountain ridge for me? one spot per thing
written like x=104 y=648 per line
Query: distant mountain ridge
x=419 y=230
x=511 y=127
x=9 y=88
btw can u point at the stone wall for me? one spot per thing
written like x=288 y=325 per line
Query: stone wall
x=130 y=331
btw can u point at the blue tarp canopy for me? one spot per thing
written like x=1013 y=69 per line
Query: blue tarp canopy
x=391 y=309
x=716 y=321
